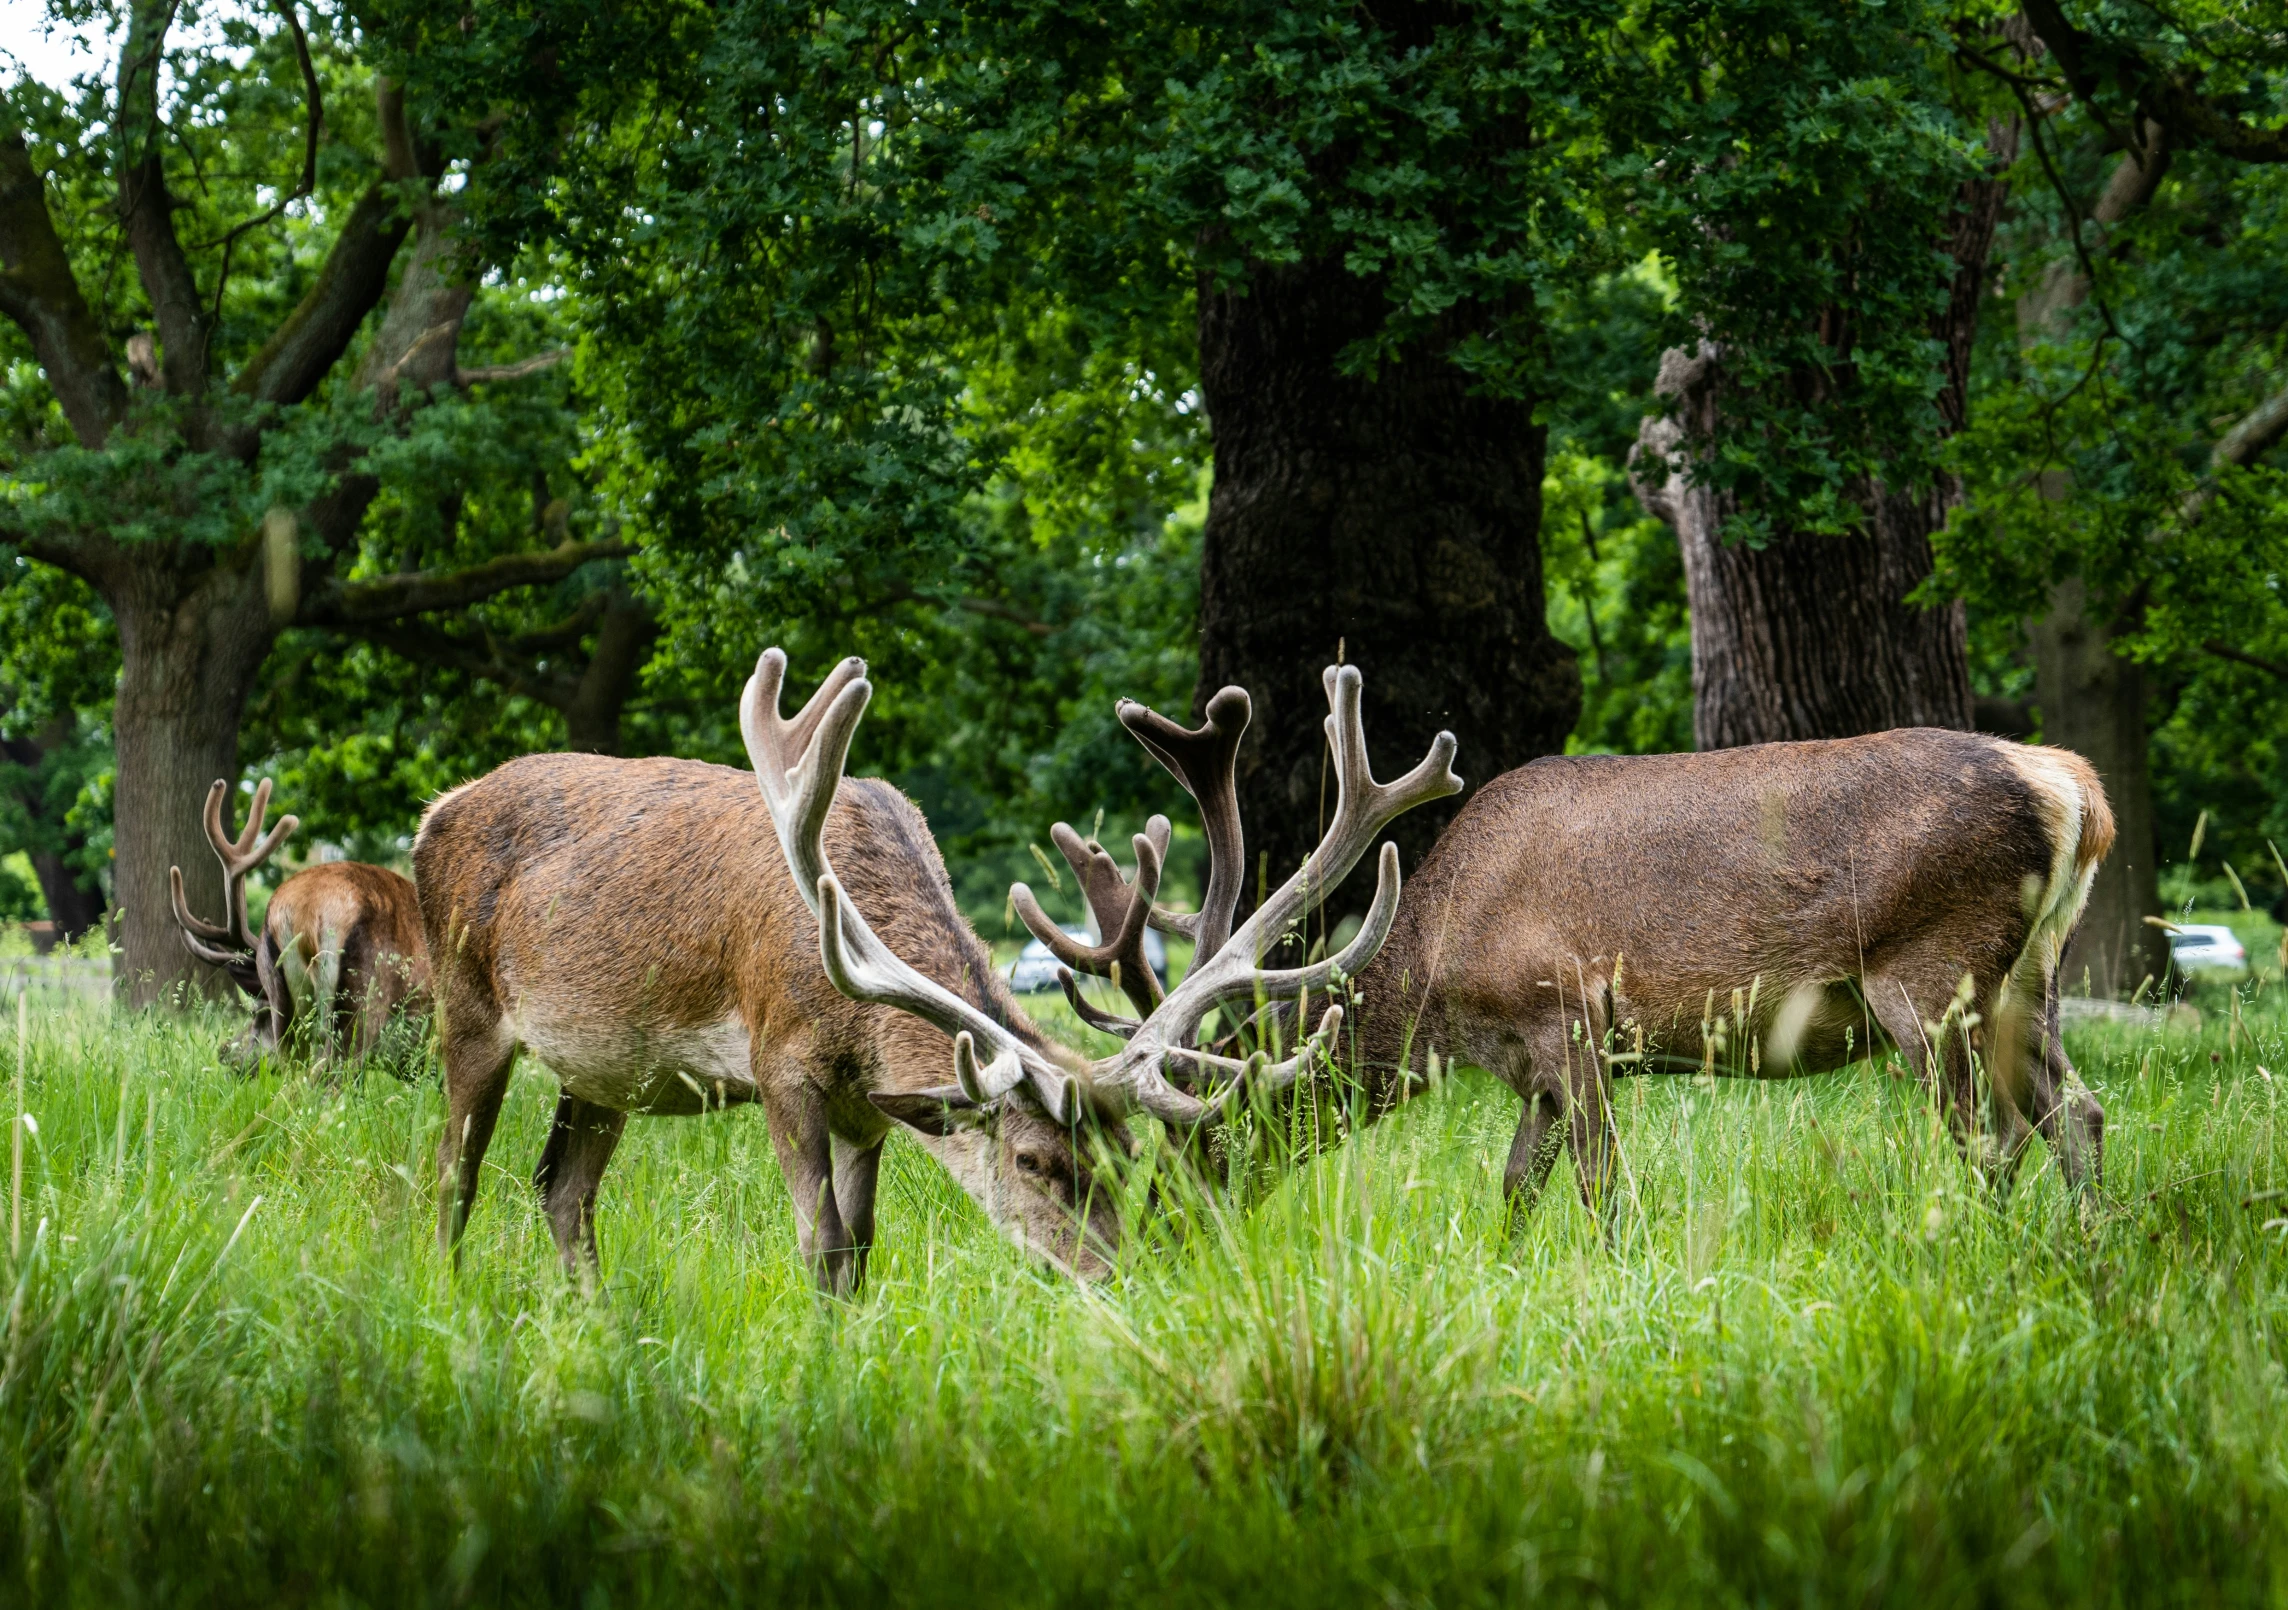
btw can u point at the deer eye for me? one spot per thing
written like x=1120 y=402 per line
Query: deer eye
x=1030 y=1163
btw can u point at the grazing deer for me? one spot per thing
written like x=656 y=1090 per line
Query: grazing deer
x=1771 y=911
x=340 y=949
x=670 y=938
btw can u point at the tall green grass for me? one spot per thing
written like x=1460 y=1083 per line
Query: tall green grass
x=1816 y=1362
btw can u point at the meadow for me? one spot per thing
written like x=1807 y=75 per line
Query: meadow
x=1817 y=1362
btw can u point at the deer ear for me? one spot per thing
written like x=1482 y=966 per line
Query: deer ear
x=931 y=1112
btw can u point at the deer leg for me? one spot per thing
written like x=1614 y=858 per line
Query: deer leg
x=580 y=1144
x=800 y=1135
x=477 y=1064
x=857 y=1170
x=2070 y=1119
x=1533 y=1153
x=1570 y=1077
x=1912 y=1010
x=328 y=1011
x=1589 y=1105
x=274 y=1018
x=373 y=1011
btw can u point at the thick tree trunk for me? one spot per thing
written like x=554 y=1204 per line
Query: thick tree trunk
x=74 y=899
x=1395 y=519
x=2092 y=701
x=188 y=659
x=1811 y=636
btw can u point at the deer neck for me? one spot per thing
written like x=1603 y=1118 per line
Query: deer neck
x=1400 y=1008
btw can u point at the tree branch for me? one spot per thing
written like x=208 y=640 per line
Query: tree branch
x=427 y=645
x=39 y=292
x=2250 y=436
x=510 y=371
x=309 y=179
x=301 y=351
x=2225 y=651
x=350 y=604
x=149 y=211
x=2169 y=99
x=2253 y=433
x=1004 y=612
x=400 y=159
x=566 y=633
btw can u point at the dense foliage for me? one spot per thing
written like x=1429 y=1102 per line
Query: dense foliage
x=881 y=324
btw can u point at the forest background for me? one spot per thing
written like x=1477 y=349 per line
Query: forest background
x=390 y=390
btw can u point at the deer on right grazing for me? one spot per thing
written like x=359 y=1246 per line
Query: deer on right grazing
x=1769 y=911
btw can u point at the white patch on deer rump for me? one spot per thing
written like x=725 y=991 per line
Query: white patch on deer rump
x=2053 y=904
x=640 y=1067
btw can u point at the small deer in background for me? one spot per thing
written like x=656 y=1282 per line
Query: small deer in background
x=340 y=952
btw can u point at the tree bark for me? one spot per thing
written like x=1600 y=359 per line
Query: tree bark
x=2091 y=698
x=623 y=637
x=1394 y=519
x=2092 y=701
x=1811 y=636
x=188 y=659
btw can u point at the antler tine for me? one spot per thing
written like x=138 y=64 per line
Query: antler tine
x=194 y=927
x=1104 y=1022
x=1203 y=760
x=252 y=847
x=1257 y=1075
x=1364 y=807
x=1098 y=874
x=1291 y=983
x=198 y=936
x=863 y=968
x=1121 y=909
x=238 y=856
x=798 y=765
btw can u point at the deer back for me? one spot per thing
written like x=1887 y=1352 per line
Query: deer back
x=650 y=898
x=1654 y=881
x=369 y=913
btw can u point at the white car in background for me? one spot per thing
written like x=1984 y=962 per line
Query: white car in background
x=1035 y=968
x=2205 y=947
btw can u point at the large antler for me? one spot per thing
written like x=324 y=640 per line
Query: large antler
x=798 y=764
x=799 y=788
x=1363 y=808
x=1202 y=759
x=239 y=856
x=1121 y=909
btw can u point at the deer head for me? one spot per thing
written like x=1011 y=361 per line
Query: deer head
x=1161 y=1070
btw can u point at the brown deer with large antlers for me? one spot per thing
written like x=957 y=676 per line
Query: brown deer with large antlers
x=340 y=950
x=1768 y=911
x=797 y=945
